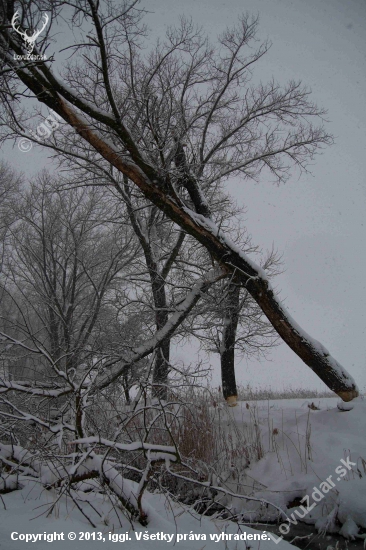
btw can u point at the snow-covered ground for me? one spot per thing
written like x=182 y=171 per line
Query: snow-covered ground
x=23 y=509
x=318 y=456
x=315 y=455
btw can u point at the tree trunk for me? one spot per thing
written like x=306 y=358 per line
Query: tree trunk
x=227 y=348
x=161 y=367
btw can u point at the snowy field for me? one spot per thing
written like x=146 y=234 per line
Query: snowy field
x=314 y=455
x=312 y=451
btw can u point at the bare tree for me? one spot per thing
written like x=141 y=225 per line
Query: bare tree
x=171 y=258
x=9 y=188
x=134 y=112
x=147 y=228
x=63 y=264
x=69 y=276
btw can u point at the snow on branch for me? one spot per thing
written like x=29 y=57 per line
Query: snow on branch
x=6 y=386
x=154 y=452
x=181 y=312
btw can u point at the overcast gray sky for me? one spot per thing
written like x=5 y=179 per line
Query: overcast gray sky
x=317 y=221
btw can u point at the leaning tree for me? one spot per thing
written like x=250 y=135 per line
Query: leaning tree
x=177 y=120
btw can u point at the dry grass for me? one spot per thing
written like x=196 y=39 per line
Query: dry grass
x=250 y=393
x=198 y=422
x=214 y=446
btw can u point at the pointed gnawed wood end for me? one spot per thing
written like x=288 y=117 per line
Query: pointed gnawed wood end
x=348 y=395
x=232 y=400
